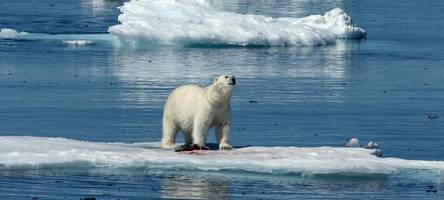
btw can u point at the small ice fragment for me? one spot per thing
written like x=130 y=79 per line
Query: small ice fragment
x=353 y=142
x=8 y=33
x=371 y=145
x=78 y=42
x=377 y=153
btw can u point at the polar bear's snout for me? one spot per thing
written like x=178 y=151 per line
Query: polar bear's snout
x=233 y=81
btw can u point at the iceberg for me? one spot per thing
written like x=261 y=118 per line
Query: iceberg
x=196 y=22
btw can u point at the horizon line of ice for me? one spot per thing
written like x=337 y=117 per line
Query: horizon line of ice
x=196 y=22
x=26 y=152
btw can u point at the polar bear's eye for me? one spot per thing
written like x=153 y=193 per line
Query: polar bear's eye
x=226 y=76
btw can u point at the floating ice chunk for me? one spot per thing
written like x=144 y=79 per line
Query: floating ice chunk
x=377 y=152
x=196 y=22
x=7 y=33
x=371 y=145
x=78 y=42
x=353 y=142
x=68 y=39
x=38 y=152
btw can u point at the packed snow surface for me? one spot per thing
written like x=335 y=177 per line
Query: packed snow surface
x=22 y=152
x=196 y=22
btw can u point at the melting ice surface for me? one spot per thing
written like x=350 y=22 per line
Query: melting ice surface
x=21 y=152
x=196 y=22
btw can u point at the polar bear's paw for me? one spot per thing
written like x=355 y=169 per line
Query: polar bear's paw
x=225 y=147
x=170 y=146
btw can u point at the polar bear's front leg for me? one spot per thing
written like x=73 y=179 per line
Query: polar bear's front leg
x=200 y=130
x=188 y=138
x=223 y=136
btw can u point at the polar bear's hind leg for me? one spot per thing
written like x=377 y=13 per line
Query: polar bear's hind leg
x=199 y=134
x=169 y=130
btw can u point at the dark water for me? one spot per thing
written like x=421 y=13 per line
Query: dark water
x=387 y=88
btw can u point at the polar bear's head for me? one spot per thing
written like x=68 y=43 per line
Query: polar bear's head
x=225 y=80
x=224 y=83
x=220 y=90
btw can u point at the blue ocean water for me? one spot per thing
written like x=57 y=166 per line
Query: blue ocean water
x=385 y=88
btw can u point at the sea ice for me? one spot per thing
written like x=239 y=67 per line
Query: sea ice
x=19 y=152
x=353 y=142
x=196 y=22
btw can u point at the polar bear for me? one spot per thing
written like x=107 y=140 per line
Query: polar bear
x=193 y=110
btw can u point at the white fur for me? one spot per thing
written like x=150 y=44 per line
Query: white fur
x=194 y=110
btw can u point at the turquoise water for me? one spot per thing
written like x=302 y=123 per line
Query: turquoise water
x=386 y=88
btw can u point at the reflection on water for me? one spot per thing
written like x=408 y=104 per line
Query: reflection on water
x=189 y=187
x=100 y=7
x=150 y=72
x=168 y=64
x=109 y=184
